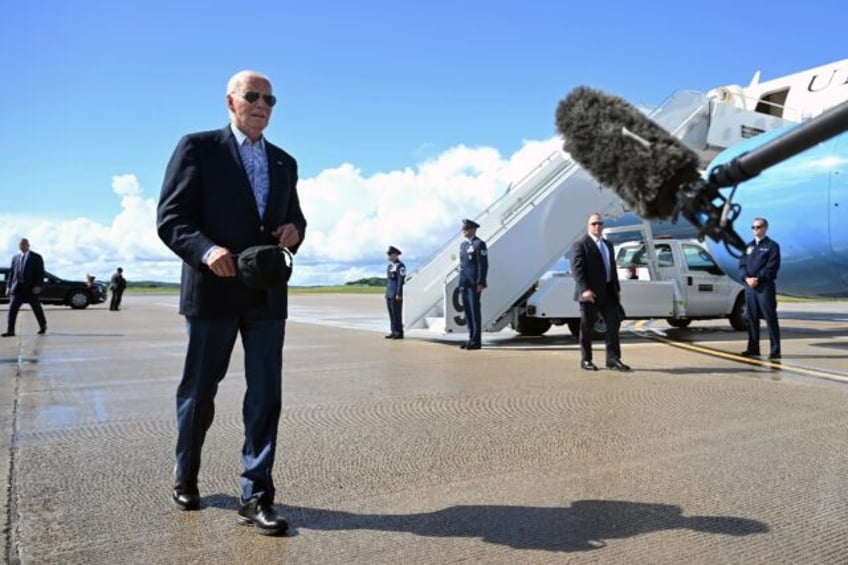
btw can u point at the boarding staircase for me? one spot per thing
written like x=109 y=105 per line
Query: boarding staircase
x=533 y=224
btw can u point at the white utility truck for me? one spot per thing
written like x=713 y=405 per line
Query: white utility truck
x=678 y=280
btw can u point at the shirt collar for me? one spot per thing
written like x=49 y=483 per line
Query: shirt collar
x=241 y=136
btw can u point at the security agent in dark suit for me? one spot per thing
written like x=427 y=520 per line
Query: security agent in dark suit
x=395 y=277
x=598 y=290
x=225 y=191
x=758 y=268
x=117 y=285
x=473 y=268
x=25 y=283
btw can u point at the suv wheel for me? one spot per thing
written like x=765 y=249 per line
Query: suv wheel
x=78 y=300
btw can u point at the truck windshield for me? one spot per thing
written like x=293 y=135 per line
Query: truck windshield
x=636 y=256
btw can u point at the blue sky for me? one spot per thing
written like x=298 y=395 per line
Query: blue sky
x=369 y=91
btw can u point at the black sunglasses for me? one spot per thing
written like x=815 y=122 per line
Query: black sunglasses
x=252 y=96
x=757 y=227
x=596 y=223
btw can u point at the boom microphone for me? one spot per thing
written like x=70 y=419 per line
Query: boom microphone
x=626 y=151
x=657 y=175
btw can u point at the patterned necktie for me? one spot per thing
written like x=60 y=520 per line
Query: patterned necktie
x=256 y=169
x=602 y=247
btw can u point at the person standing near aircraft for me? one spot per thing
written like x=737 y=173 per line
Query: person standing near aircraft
x=117 y=285
x=758 y=268
x=226 y=191
x=26 y=277
x=597 y=289
x=473 y=268
x=395 y=277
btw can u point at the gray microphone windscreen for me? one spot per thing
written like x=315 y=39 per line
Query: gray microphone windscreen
x=647 y=178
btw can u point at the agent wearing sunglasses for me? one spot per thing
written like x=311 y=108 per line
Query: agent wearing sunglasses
x=224 y=191
x=758 y=268
x=597 y=289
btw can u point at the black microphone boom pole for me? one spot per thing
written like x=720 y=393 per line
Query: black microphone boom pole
x=748 y=165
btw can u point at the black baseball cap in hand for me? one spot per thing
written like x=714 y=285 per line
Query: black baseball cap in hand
x=265 y=266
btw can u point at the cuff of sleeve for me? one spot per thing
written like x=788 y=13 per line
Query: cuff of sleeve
x=206 y=255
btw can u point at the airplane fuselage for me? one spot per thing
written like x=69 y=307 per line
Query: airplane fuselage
x=805 y=200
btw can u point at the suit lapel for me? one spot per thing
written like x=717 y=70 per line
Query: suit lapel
x=274 y=173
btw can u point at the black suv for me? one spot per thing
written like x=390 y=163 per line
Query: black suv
x=75 y=294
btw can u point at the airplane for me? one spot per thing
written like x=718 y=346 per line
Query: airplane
x=804 y=198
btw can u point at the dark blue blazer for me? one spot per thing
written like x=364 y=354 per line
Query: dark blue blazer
x=587 y=268
x=206 y=200
x=33 y=273
x=761 y=261
x=473 y=263
x=395 y=277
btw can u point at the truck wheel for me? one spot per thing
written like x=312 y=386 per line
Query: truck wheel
x=532 y=327
x=678 y=322
x=738 y=317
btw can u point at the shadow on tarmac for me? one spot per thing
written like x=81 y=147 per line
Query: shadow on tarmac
x=583 y=526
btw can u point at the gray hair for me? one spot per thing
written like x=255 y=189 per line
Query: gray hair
x=238 y=79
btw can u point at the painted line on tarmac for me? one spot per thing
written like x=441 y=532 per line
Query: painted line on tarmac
x=658 y=335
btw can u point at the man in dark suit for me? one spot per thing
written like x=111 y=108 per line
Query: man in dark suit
x=25 y=282
x=758 y=268
x=597 y=289
x=473 y=270
x=117 y=285
x=225 y=191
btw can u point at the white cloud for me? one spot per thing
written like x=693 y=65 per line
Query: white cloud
x=352 y=219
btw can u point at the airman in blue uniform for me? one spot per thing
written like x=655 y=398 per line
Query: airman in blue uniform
x=473 y=268
x=395 y=277
x=758 y=269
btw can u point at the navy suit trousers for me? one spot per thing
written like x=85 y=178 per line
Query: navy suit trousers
x=762 y=303
x=395 y=308
x=610 y=311
x=19 y=298
x=210 y=345
x=473 y=315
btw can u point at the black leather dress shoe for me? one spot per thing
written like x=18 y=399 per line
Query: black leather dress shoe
x=261 y=516
x=588 y=366
x=617 y=365
x=464 y=345
x=747 y=353
x=42 y=331
x=7 y=334
x=775 y=356
x=473 y=346
x=390 y=336
x=186 y=500
x=397 y=336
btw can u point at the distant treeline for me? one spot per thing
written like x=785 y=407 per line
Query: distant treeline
x=152 y=284
x=370 y=281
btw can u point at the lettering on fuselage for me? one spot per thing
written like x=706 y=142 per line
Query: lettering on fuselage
x=817 y=83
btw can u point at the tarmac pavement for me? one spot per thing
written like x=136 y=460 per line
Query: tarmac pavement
x=415 y=451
